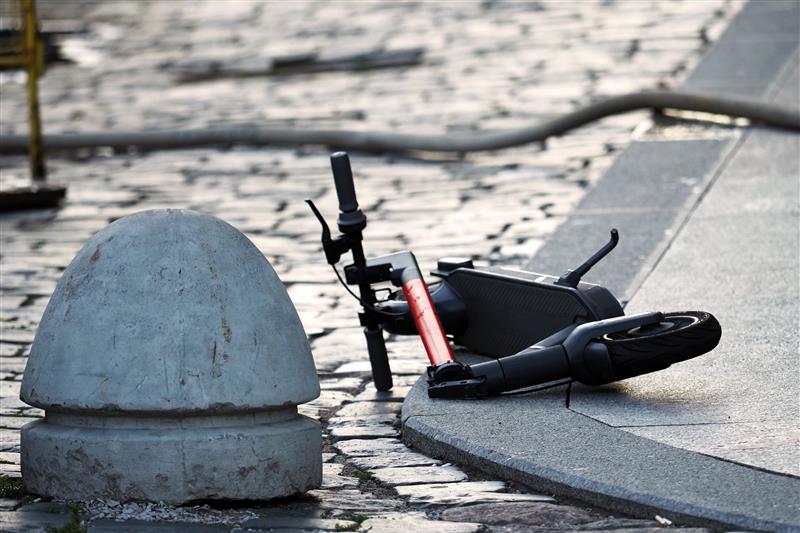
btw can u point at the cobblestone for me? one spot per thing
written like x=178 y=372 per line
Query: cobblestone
x=464 y=493
x=415 y=475
x=418 y=523
x=487 y=65
x=293 y=522
x=393 y=459
x=31 y=522
x=523 y=513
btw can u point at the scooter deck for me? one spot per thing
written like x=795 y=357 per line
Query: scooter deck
x=508 y=311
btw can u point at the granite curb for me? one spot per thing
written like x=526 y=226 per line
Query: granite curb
x=535 y=441
x=573 y=455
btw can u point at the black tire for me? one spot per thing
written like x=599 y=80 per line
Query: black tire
x=678 y=337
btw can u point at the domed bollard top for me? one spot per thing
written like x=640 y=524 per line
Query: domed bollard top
x=169 y=362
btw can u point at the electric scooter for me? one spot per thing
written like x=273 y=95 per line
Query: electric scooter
x=539 y=329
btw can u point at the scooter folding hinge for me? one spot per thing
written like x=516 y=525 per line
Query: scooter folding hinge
x=448 y=371
x=455 y=380
x=465 y=389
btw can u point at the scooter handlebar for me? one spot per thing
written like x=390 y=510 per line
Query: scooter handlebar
x=343 y=178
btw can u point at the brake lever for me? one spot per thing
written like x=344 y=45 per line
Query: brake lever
x=326 y=231
x=333 y=248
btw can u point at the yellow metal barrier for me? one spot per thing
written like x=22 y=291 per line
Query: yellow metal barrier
x=29 y=55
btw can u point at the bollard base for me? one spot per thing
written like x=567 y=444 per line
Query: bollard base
x=255 y=456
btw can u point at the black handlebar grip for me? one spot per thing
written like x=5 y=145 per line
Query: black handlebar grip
x=378 y=359
x=343 y=178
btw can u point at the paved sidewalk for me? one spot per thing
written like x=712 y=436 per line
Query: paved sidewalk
x=738 y=258
x=719 y=210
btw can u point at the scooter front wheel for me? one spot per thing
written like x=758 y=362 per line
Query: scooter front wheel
x=677 y=337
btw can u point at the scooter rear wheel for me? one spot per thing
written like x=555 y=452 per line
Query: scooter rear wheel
x=678 y=337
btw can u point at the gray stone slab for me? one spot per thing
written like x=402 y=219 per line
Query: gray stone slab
x=366 y=409
x=416 y=475
x=352 y=502
x=763 y=177
x=649 y=189
x=386 y=419
x=332 y=477
x=370 y=447
x=297 y=522
x=392 y=460
x=741 y=68
x=526 y=513
x=775 y=20
x=361 y=432
x=464 y=493
x=737 y=242
x=418 y=523
x=346 y=384
x=399 y=366
x=767 y=444
x=654 y=175
x=751 y=53
x=573 y=455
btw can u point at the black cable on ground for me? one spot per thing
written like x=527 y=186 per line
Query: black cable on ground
x=374 y=141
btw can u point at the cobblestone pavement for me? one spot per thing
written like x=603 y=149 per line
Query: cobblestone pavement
x=487 y=65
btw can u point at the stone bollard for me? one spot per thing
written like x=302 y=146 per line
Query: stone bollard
x=170 y=363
